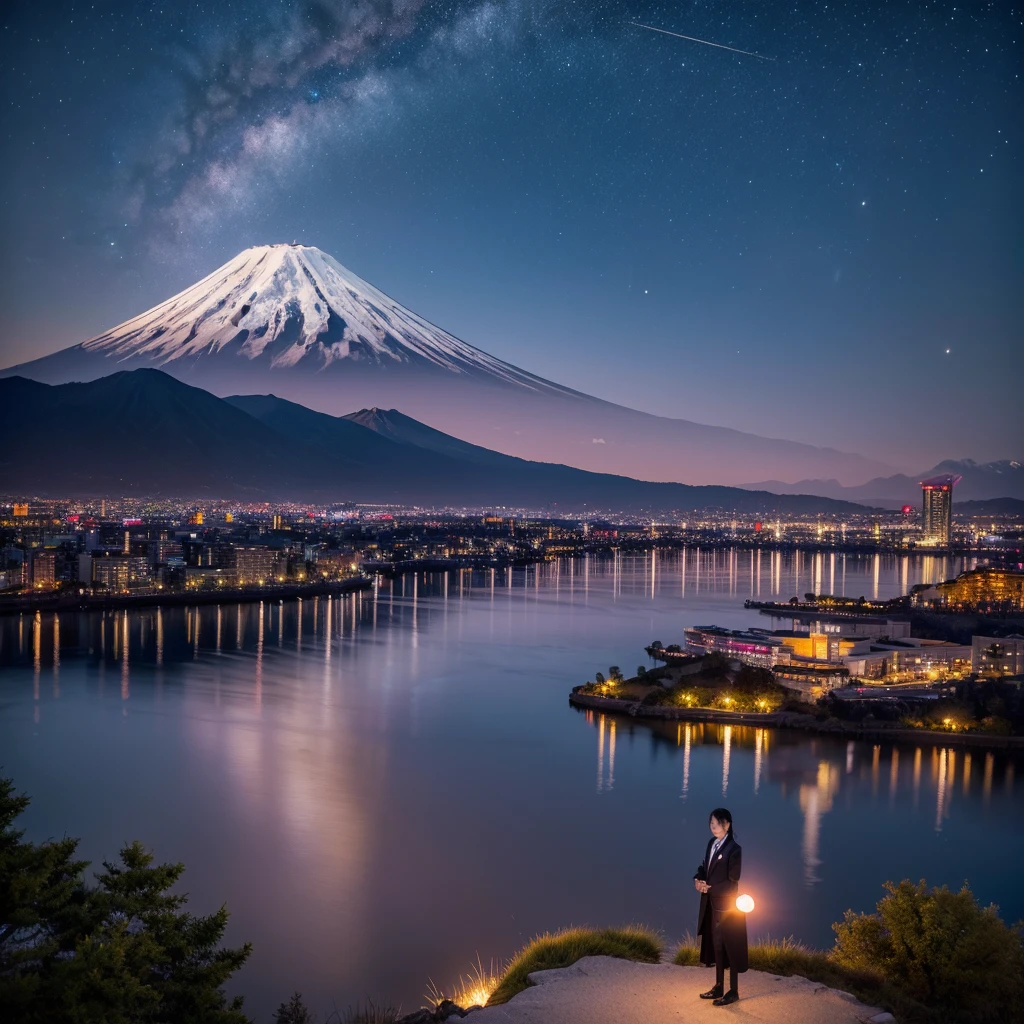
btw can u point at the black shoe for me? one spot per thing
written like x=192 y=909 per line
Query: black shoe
x=732 y=996
x=714 y=993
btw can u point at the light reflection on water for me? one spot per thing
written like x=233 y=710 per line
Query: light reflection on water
x=384 y=784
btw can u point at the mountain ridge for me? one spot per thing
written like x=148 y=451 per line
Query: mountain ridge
x=143 y=432
x=291 y=320
x=979 y=482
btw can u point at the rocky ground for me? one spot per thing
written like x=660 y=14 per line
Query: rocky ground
x=604 y=990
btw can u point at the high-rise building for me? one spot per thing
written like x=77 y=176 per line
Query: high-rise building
x=937 y=509
x=44 y=566
x=120 y=574
x=255 y=565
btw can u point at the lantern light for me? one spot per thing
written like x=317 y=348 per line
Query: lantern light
x=745 y=903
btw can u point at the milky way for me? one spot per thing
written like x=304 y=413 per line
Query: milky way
x=785 y=246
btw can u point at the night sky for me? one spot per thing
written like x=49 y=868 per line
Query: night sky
x=822 y=242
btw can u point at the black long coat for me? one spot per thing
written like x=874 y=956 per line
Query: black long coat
x=718 y=911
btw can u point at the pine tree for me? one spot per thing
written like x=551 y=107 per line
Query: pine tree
x=294 y=1011
x=123 y=952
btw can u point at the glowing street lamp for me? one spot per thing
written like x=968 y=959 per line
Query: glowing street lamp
x=745 y=903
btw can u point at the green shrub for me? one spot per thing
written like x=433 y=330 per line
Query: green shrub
x=688 y=953
x=788 y=957
x=693 y=696
x=561 y=949
x=953 y=715
x=940 y=949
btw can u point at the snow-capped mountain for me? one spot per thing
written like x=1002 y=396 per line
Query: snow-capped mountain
x=292 y=321
x=292 y=305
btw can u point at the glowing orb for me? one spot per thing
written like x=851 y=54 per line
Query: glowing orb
x=745 y=903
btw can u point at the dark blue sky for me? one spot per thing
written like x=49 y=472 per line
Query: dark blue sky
x=787 y=246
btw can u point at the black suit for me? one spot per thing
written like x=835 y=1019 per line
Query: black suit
x=721 y=927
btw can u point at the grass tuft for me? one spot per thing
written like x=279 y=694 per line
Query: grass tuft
x=371 y=1013
x=474 y=989
x=561 y=949
x=688 y=953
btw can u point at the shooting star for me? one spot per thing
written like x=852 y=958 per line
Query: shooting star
x=694 y=39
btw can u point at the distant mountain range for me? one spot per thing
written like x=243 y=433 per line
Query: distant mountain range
x=991 y=507
x=291 y=320
x=143 y=432
x=981 y=481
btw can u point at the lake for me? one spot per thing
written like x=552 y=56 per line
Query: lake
x=385 y=785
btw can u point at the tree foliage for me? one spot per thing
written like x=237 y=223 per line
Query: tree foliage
x=124 y=951
x=940 y=948
x=294 y=1011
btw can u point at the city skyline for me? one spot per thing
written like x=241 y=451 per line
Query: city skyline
x=558 y=187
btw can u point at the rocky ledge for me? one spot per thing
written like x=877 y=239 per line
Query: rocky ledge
x=604 y=990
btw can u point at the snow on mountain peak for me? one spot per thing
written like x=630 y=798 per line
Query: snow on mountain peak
x=287 y=304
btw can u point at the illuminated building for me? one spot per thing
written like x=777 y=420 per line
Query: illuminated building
x=20 y=509
x=812 y=679
x=254 y=565
x=118 y=574
x=909 y=658
x=752 y=648
x=985 y=586
x=937 y=509
x=865 y=626
x=998 y=656
x=44 y=569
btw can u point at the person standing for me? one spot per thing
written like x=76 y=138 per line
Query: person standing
x=721 y=927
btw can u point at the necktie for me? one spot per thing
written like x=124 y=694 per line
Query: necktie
x=714 y=849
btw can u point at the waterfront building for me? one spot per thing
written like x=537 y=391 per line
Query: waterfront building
x=909 y=658
x=937 y=509
x=44 y=570
x=254 y=565
x=823 y=647
x=868 y=627
x=812 y=680
x=979 y=587
x=119 y=573
x=760 y=649
x=996 y=657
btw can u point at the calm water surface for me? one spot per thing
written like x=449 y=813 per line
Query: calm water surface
x=384 y=785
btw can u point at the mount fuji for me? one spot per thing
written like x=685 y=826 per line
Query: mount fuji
x=291 y=320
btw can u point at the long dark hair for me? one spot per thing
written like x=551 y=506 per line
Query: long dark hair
x=723 y=817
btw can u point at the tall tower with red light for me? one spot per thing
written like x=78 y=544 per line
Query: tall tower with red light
x=937 y=509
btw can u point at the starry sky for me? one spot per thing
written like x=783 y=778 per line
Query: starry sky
x=818 y=239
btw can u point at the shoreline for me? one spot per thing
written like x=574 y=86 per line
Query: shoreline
x=117 y=602
x=792 y=720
